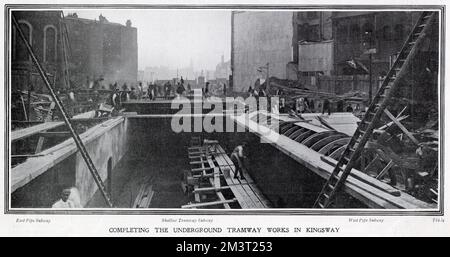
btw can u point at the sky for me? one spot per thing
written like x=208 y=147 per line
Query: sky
x=174 y=37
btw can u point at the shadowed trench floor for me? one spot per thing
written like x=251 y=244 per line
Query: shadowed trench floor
x=163 y=172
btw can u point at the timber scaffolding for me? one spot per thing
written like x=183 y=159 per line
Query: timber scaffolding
x=318 y=148
x=212 y=173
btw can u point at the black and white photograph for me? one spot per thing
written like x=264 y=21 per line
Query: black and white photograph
x=224 y=110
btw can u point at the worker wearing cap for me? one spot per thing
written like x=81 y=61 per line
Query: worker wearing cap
x=238 y=159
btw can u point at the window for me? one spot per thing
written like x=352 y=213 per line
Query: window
x=314 y=33
x=20 y=52
x=342 y=32
x=312 y=15
x=368 y=33
x=355 y=34
x=50 y=43
x=387 y=33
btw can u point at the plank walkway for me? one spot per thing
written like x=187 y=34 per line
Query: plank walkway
x=215 y=164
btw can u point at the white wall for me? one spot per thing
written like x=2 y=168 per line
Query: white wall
x=316 y=57
x=260 y=38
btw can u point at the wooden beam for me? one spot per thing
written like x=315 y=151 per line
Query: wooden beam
x=390 y=123
x=207 y=189
x=385 y=169
x=370 y=195
x=30 y=131
x=54 y=134
x=216 y=177
x=395 y=120
x=33 y=167
x=197 y=162
x=26 y=155
x=201 y=169
x=365 y=178
x=206 y=176
x=205 y=204
x=39 y=145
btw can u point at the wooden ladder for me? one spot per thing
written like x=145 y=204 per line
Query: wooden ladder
x=374 y=112
x=75 y=136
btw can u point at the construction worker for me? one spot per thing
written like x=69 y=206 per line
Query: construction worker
x=250 y=91
x=64 y=202
x=180 y=90
x=238 y=157
x=133 y=93
x=124 y=94
x=326 y=107
x=207 y=89
x=151 y=91
x=300 y=105
x=167 y=89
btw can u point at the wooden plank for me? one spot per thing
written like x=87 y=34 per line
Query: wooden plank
x=201 y=169
x=196 y=195
x=216 y=178
x=366 y=178
x=385 y=169
x=390 y=123
x=206 y=176
x=235 y=190
x=33 y=167
x=196 y=205
x=39 y=145
x=207 y=189
x=138 y=198
x=371 y=196
x=222 y=198
x=197 y=162
x=236 y=187
x=54 y=134
x=26 y=155
x=262 y=199
x=33 y=130
x=146 y=198
x=395 y=120
x=246 y=193
x=211 y=181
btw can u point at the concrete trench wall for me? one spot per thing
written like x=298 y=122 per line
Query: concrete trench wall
x=285 y=182
x=45 y=189
x=112 y=145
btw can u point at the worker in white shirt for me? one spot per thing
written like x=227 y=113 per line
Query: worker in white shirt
x=238 y=159
x=64 y=202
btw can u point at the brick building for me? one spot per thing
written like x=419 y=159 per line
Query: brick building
x=307 y=45
x=43 y=31
x=356 y=32
x=102 y=49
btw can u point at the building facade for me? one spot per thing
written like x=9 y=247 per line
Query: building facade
x=354 y=33
x=259 y=38
x=42 y=29
x=102 y=49
x=313 y=44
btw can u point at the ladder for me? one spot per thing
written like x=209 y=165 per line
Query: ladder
x=76 y=137
x=374 y=112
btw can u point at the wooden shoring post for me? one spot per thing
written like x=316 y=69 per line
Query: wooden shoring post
x=385 y=170
x=395 y=120
x=39 y=145
x=205 y=204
